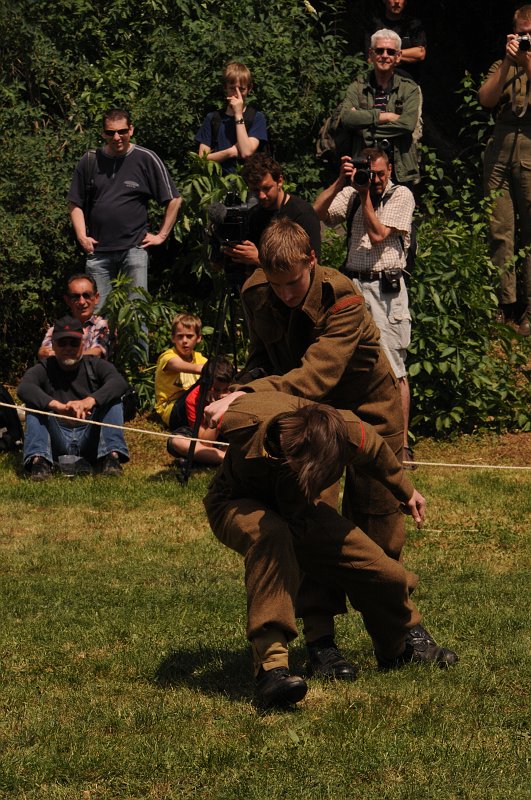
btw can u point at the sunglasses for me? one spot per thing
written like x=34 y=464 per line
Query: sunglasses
x=68 y=341
x=120 y=132
x=381 y=50
x=75 y=296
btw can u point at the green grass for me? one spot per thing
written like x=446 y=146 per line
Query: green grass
x=124 y=669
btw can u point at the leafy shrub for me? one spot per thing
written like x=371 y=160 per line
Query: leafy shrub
x=465 y=372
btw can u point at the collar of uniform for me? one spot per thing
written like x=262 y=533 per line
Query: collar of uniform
x=240 y=416
x=313 y=301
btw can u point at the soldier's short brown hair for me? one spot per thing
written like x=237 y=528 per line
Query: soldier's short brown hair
x=284 y=245
x=187 y=320
x=314 y=441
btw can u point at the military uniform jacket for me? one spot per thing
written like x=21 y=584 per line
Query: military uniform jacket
x=325 y=350
x=248 y=471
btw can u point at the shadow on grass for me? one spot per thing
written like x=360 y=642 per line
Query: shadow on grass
x=211 y=670
x=214 y=671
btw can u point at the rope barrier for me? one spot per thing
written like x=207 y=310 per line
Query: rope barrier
x=226 y=444
x=109 y=424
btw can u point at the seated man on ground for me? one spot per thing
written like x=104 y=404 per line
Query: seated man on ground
x=179 y=367
x=264 y=504
x=82 y=297
x=232 y=134
x=81 y=388
x=219 y=373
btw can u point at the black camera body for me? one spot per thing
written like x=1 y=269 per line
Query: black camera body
x=230 y=220
x=524 y=42
x=363 y=171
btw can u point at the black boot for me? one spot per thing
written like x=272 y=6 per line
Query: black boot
x=277 y=687
x=326 y=661
x=421 y=648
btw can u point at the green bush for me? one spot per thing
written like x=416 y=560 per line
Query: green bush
x=62 y=64
x=466 y=372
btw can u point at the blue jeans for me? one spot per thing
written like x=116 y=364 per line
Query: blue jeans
x=50 y=437
x=104 y=267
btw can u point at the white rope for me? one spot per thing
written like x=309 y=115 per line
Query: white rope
x=111 y=425
x=226 y=444
x=464 y=466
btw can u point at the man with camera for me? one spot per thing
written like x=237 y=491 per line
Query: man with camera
x=263 y=175
x=378 y=214
x=383 y=108
x=507 y=167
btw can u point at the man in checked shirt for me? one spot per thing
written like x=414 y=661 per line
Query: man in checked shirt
x=378 y=214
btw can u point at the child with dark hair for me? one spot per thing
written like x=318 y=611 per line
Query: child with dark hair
x=219 y=373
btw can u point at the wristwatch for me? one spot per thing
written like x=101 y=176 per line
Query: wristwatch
x=239 y=121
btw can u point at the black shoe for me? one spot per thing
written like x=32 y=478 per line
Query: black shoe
x=40 y=469
x=326 y=661
x=421 y=648
x=277 y=687
x=110 y=464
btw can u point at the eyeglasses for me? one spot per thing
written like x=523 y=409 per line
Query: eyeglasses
x=68 y=341
x=120 y=132
x=381 y=50
x=76 y=296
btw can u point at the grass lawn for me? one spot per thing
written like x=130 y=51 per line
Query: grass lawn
x=125 y=673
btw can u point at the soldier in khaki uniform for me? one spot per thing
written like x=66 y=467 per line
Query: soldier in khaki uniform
x=262 y=504
x=507 y=168
x=312 y=334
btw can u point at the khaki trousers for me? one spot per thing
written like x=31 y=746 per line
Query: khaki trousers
x=327 y=547
x=507 y=169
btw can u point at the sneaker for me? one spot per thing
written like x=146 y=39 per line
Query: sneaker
x=421 y=648
x=40 y=469
x=408 y=458
x=326 y=661
x=110 y=464
x=277 y=687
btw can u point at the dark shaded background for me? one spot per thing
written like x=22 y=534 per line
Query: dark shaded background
x=463 y=35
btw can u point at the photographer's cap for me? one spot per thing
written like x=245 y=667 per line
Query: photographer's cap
x=67 y=326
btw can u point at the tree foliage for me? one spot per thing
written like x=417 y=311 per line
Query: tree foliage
x=62 y=63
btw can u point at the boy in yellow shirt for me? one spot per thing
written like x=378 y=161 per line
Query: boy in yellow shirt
x=179 y=367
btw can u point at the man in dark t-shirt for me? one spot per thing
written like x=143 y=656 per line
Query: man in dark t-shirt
x=108 y=201
x=263 y=175
x=410 y=30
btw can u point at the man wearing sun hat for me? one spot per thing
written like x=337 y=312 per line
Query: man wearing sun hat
x=81 y=388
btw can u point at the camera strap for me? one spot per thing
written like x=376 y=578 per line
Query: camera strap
x=519 y=74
